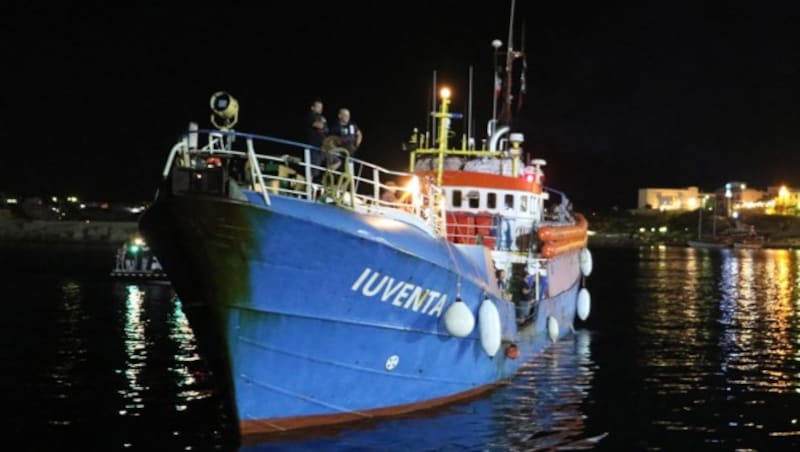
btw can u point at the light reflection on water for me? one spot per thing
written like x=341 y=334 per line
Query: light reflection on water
x=684 y=349
x=70 y=350
x=542 y=407
x=539 y=409
x=135 y=344
x=719 y=340
x=186 y=359
x=183 y=363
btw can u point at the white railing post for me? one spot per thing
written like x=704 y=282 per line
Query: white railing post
x=175 y=149
x=255 y=170
x=308 y=171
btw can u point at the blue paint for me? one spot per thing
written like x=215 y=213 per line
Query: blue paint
x=322 y=310
x=307 y=343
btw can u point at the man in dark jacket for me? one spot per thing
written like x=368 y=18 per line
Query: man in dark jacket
x=316 y=132
x=348 y=132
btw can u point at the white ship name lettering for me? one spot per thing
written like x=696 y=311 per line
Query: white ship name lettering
x=406 y=295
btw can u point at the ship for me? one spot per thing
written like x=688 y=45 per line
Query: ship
x=319 y=301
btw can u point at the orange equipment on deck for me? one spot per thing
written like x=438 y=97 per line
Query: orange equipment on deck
x=564 y=233
x=552 y=249
x=561 y=239
x=484 y=223
x=461 y=228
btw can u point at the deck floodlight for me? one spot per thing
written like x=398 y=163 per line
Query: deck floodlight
x=224 y=109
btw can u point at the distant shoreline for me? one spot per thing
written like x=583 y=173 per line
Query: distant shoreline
x=623 y=240
x=16 y=231
x=22 y=232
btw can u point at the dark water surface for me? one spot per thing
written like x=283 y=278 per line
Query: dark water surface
x=684 y=349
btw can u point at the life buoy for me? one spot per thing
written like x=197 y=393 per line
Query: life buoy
x=489 y=324
x=584 y=304
x=458 y=319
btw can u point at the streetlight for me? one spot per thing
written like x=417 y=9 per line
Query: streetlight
x=728 y=196
x=783 y=199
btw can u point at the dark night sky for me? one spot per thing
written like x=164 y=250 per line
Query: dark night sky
x=620 y=96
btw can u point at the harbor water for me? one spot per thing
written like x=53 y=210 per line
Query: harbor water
x=684 y=348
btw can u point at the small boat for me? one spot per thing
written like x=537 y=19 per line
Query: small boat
x=714 y=242
x=319 y=302
x=750 y=243
x=135 y=260
x=709 y=244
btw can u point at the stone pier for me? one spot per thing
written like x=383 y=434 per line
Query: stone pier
x=66 y=231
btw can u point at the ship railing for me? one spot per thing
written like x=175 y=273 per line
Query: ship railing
x=293 y=171
x=538 y=269
x=500 y=232
x=416 y=200
x=563 y=210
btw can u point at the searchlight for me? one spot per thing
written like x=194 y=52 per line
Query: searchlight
x=225 y=110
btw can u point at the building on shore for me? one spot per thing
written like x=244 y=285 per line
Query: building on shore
x=731 y=199
x=687 y=198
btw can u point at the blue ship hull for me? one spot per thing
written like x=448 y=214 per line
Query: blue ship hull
x=317 y=315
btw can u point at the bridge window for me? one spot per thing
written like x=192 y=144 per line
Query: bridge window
x=524 y=203
x=456 y=198
x=491 y=200
x=474 y=199
x=509 y=201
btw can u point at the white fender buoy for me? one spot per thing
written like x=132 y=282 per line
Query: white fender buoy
x=586 y=262
x=489 y=324
x=552 y=328
x=458 y=319
x=584 y=303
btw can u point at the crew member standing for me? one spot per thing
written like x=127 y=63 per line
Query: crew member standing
x=316 y=124
x=316 y=132
x=348 y=131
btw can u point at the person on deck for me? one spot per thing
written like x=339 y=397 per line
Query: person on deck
x=521 y=295
x=316 y=124
x=316 y=132
x=500 y=274
x=349 y=132
x=389 y=194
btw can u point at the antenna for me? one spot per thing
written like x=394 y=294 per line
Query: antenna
x=433 y=108
x=505 y=113
x=496 y=85
x=469 y=109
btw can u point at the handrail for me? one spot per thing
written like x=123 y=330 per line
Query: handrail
x=357 y=185
x=336 y=187
x=256 y=168
x=171 y=158
x=563 y=209
x=496 y=137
